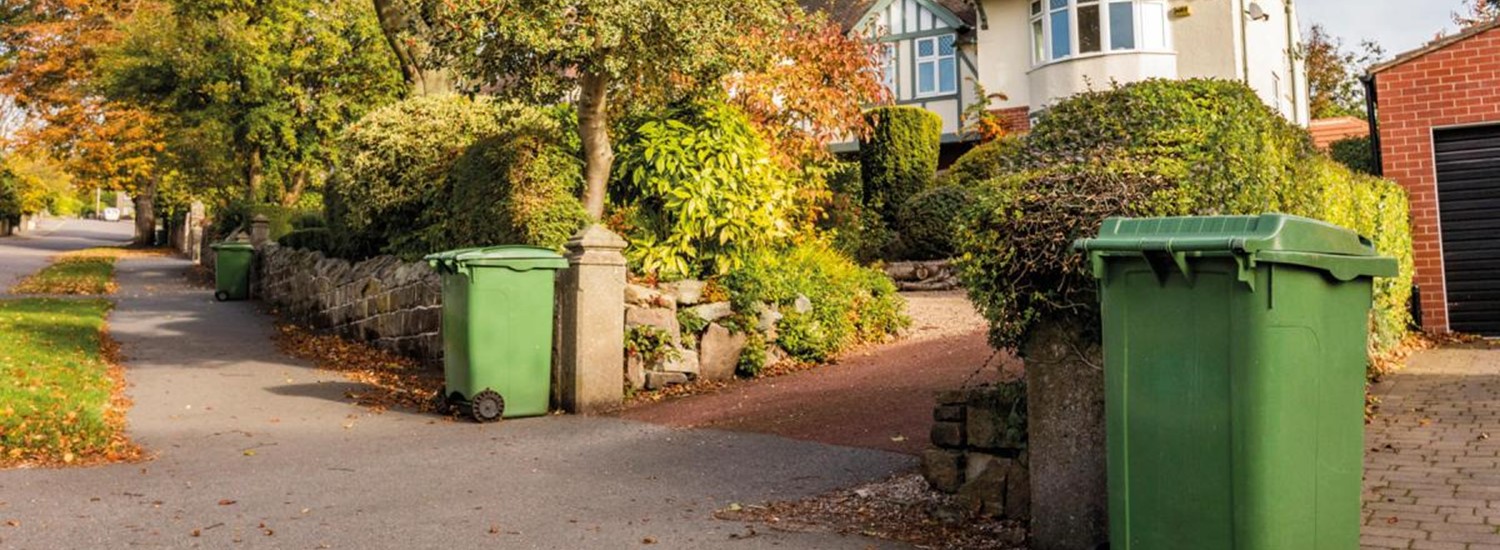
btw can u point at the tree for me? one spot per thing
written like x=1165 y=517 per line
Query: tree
x=644 y=52
x=406 y=30
x=1477 y=12
x=276 y=79
x=52 y=54
x=1333 y=74
x=810 y=86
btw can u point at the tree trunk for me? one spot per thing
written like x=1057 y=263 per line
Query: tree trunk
x=396 y=21
x=299 y=184
x=255 y=172
x=593 y=131
x=145 y=214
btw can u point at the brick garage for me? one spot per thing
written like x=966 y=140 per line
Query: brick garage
x=1438 y=120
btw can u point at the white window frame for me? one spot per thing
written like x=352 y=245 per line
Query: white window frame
x=890 y=71
x=1041 y=12
x=936 y=60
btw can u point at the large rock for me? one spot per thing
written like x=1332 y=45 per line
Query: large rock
x=719 y=352
x=687 y=292
x=984 y=493
x=638 y=295
x=656 y=380
x=766 y=317
x=664 y=319
x=713 y=312
x=943 y=469
x=635 y=371
x=803 y=304
x=686 y=362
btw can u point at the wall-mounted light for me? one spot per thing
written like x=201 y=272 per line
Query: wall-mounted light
x=1257 y=13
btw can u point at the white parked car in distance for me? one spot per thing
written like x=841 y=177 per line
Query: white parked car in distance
x=112 y=214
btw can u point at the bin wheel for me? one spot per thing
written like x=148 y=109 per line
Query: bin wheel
x=441 y=404
x=487 y=406
x=221 y=296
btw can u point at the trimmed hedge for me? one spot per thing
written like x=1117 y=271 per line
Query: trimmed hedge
x=389 y=189
x=1354 y=153
x=518 y=187
x=985 y=162
x=1157 y=148
x=312 y=238
x=899 y=156
x=238 y=215
x=929 y=219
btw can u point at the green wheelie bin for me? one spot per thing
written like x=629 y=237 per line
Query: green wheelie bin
x=497 y=329
x=1234 y=359
x=232 y=270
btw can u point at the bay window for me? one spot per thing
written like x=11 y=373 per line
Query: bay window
x=1061 y=29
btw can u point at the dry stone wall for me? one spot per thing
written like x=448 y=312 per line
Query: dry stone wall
x=979 y=454
x=384 y=301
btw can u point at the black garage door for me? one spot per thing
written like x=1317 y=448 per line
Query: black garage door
x=1468 y=181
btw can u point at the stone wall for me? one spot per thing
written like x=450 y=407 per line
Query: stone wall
x=391 y=304
x=980 y=454
x=703 y=338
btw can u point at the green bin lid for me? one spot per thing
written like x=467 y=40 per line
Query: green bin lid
x=232 y=245
x=519 y=257
x=1272 y=238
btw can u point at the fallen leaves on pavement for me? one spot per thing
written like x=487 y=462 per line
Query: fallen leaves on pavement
x=902 y=508
x=390 y=379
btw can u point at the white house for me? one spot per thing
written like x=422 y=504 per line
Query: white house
x=1035 y=52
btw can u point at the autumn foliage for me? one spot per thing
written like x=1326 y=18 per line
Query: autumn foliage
x=809 y=85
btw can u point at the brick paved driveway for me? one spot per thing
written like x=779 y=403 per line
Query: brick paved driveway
x=1432 y=463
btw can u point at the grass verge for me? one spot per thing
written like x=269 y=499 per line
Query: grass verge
x=61 y=389
x=87 y=272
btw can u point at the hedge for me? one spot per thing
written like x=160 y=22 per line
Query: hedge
x=387 y=194
x=929 y=219
x=518 y=187
x=899 y=156
x=1354 y=153
x=1157 y=148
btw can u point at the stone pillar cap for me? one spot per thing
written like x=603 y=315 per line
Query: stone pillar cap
x=596 y=237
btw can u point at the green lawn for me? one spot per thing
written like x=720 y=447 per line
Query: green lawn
x=87 y=272
x=58 y=384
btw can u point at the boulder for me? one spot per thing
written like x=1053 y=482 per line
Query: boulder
x=802 y=304
x=687 y=292
x=635 y=371
x=686 y=363
x=943 y=469
x=766 y=317
x=664 y=319
x=719 y=352
x=714 y=311
x=656 y=380
x=639 y=295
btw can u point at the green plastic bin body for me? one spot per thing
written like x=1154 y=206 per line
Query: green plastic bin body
x=497 y=324
x=232 y=270
x=1234 y=353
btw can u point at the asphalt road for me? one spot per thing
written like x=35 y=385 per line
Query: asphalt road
x=252 y=449
x=22 y=255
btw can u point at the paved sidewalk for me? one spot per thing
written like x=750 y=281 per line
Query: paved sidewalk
x=257 y=450
x=1432 y=465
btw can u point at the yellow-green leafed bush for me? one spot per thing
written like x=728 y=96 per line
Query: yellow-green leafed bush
x=1156 y=148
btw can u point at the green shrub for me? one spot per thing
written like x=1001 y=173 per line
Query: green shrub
x=850 y=304
x=312 y=238
x=517 y=187
x=899 y=157
x=855 y=232
x=237 y=216
x=753 y=357
x=697 y=188
x=1157 y=148
x=388 y=193
x=929 y=220
x=1354 y=153
x=309 y=219
x=986 y=161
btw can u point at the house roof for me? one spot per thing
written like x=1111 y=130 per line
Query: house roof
x=1436 y=45
x=847 y=13
x=1325 y=131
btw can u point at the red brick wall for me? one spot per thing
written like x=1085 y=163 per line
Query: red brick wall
x=1456 y=85
x=1015 y=120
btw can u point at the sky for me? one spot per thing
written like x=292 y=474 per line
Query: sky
x=1397 y=25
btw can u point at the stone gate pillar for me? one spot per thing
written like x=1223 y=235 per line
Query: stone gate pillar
x=589 y=374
